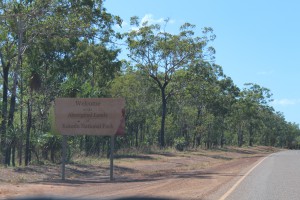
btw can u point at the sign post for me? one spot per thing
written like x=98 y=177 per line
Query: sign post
x=63 y=158
x=90 y=116
x=112 y=148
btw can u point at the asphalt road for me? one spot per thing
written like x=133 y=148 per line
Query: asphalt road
x=276 y=178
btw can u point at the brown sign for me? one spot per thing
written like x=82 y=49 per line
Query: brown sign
x=90 y=116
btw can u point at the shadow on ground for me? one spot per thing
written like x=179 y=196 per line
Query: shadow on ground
x=65 y=198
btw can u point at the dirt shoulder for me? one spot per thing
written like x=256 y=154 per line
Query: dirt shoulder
x=171 y=175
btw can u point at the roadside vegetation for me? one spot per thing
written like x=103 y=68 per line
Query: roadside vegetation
x=176 y=95
x=134 y=165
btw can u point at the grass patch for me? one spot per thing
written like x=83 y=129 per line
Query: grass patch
x=88 y=160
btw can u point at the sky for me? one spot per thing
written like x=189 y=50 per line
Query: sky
x=257 y=41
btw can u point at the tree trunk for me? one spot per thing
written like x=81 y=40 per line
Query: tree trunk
x=98 y=145
x=198 y=140
x=28 y=128
x=11 y=120
x=20 y=151
x=5 y=70
x=222 y=142
x=222 y=139
x=240 y=136
x=88 y=145
x=7 y=154
x=141 y=130
x=81 y=143
x=136 y=136
x=162 y=87
x=13 y=158
x=163 y=117
x=197 y=135
x=251 y=135
x=20 y=141
x=52 y=152
x=209 y=139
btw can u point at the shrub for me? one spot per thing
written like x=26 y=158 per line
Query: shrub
x=180 y=143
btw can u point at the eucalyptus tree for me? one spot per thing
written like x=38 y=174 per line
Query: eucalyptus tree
x=76 y=58
x=280 y=126
x=43 y=36
x=255 y=97
x=246 y=115
x=160 y=54
x=222 y=104
x=268 y=129
x=292 y=134
x=16 y=36
x=197 y=88
x=210 y=94
x=141 y=107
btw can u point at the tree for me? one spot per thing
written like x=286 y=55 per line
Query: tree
x=140 y=94
x=160 y=54
x=247 y=111
x=42 y=37
x=255 y=98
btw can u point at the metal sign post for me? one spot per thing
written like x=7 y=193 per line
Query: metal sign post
x=63 y=159
x=90 y=116
x=112 y=149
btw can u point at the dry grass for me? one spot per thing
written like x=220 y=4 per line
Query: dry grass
x=132 y=163
x=175 y=175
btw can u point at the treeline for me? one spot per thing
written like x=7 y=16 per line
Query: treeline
x=176 y=96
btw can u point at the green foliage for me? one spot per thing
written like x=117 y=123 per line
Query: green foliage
x=51 y=49
x=51 y=119
x=159 y=55
x=176 y=96
x=180 y=143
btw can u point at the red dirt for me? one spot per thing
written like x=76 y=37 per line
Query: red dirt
x=188 y=175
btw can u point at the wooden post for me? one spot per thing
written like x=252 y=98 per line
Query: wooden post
x=112 y=146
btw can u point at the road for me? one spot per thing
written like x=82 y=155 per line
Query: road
x=275 y=178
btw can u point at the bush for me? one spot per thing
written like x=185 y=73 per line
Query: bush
x=180 y=143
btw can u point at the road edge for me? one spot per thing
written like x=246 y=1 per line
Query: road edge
x=236 y=184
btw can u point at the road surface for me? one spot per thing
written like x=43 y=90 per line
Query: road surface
x=275 y=178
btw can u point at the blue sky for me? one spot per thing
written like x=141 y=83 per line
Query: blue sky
x=257 y=41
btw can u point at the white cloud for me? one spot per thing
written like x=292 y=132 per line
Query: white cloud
x=150 y=19
x=124 y=23
x=286 y=102
x=172 y=21
x=134 y=28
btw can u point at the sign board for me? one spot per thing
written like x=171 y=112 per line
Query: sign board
x=90 y=116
